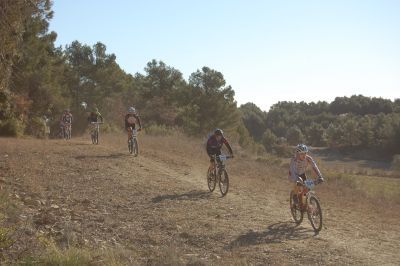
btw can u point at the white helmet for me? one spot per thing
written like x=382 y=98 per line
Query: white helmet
x=84 y=105
x=132 y=110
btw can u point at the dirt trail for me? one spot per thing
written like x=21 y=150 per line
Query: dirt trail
x=157 y=208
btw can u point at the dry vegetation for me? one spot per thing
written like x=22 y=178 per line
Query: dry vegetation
x=73 y=203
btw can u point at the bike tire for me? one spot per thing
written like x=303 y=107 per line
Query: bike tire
x=296 y=212
x=211 y=180
x=68 y=134
x=224 y=182
x=130 y=146
x=96 y=137
x=135 y=147
x=314 y=213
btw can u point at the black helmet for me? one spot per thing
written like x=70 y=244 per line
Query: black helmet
x=219 y=132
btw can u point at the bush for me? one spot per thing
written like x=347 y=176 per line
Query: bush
x=396 y=162
x=37 y=127
x=12 y=128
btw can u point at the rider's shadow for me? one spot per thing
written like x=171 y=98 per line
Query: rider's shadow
x=275 y=233
x=191 y=195
x=106 y=156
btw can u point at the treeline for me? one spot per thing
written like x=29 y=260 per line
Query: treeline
x=38 y=79
x=42 y=80
x=355 y=122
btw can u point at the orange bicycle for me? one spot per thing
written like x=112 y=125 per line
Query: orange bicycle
x=307 y=201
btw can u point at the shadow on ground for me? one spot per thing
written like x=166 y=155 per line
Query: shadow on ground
x=192 y=195
x=275 y=233
x=107 y=156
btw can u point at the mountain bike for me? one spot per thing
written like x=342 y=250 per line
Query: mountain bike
x=307 y=201
x=219 y=174
x=133 y=145
x=94 y=133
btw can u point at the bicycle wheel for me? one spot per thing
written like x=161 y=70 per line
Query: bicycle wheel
x=92 y=137
x=295 y=209
x=68 y=133
x=96 y=137
x=224 y=182
x=211 y=180
x=130 y=146
x=135 y=147
x=314 y=213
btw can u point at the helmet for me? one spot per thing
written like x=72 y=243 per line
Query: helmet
x=219 y=132
x=301 y=148
x=132 y=110
x=84 y=105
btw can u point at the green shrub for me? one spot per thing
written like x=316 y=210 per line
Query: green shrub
x=5 y=240
x=12 y=128
x=396 y=162
x=37 y=127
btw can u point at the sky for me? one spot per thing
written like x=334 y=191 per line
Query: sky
x=268 y=51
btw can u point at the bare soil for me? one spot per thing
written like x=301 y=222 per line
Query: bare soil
x=157 y=209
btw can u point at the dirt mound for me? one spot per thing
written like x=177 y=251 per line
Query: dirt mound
x=156 y=207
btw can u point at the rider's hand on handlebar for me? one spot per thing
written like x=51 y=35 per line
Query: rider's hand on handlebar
x=139 y=129
x=299 y=181
x=320 y=179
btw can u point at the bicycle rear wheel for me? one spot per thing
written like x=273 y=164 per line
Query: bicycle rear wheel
x=92 y=137
x=224 y=182
x=314 y=213
x=211 y=180
x=295 y=209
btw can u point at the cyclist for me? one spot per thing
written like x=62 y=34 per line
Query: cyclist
x=214 y=145
x=65 y=121
x=298 y=166
x=131 y=119
x=94 y=117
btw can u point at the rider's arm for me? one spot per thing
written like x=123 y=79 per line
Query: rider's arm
x=126 y=122
x=311 y=161
x=292 y=171
x=138 y=119
x=228 y=146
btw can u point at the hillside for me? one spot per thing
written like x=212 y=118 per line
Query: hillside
x=101 y=206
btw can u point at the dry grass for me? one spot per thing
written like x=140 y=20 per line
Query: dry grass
x=97 y=205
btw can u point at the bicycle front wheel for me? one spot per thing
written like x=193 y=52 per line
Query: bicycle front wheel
x=211 y=180
x=295 y=209
x=224 y=182
x=135 y=147
x=130 y=146
x=96 y=137
x=314 y=213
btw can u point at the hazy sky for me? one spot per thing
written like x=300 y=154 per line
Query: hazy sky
x=268 y=51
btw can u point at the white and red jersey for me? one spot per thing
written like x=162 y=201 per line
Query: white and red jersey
x=298 y=167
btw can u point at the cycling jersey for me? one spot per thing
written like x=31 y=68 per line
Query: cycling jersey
x=66 y=118
x=214 y=146
x=298 y=167
x=131 y=120
x=95 y=117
